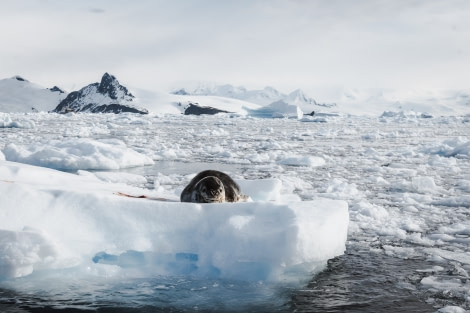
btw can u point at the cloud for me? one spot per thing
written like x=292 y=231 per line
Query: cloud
x=288 y=44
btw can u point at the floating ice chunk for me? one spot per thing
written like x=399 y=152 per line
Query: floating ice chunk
x=370 y=210
x=462 y=185
x=417 y=236
x=457 y=147
x=457 y=201
x=308 y=161
x=339 y=189
x=461 y=228
x=401 y=252
x=436 y=160
x=2 y=156
x=278 y=109
x=423 y=184
x=400 y=171
x=438 y=283
x=459 y=256
x=74 y=154
x=452 y=309
x=7 y=122
x=372 y=136
x=23 y=251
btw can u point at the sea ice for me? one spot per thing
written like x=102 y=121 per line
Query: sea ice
x=7 y=122
x=75 y=154
x=406 y=189
x=424 y=184
x=310 y=161
x=456 y=147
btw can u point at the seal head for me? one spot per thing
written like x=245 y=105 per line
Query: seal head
x=210 y=189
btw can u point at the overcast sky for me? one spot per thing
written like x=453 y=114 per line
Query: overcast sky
x=293 y=44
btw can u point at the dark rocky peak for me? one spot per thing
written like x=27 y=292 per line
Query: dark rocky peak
x=110 y=86
x=108 y=96
x=181 y=92
x=196 y=109
x=56 y=89
x=19 y=78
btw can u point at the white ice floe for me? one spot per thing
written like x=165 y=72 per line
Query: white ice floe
x=53 y=220
x=74 y=154
x=7 y=122
x=456 y=147
x=278 y=109
x=310 y=161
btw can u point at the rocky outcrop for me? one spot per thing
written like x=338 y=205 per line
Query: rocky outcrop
x=56 y=89
x=108 y=96
x=195 y=109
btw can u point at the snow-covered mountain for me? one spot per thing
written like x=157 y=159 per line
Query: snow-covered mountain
x=108 y=96
x=375 y=101
x=20 y=95
x=264 y=97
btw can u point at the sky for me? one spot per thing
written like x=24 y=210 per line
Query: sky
x=288 y=44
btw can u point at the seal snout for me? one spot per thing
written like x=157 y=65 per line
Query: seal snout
x=211 y=189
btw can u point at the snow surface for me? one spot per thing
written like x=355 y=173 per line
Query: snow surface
x=20 y=95
x=405 y=179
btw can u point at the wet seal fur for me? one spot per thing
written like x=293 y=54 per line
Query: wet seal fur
x=212 y=186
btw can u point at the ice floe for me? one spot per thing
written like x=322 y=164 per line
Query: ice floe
x=52 y=220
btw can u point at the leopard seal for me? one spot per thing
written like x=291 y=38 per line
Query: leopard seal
x=212 y=186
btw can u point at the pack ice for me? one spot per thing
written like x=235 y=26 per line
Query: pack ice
x=52 y=220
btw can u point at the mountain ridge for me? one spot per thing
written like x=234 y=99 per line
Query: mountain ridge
x=264 y=96
x=19 y=95
x=108 y=96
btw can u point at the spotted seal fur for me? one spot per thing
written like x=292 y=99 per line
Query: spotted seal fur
x=212 y=186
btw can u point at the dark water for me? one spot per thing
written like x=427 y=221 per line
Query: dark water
x=358 y=281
